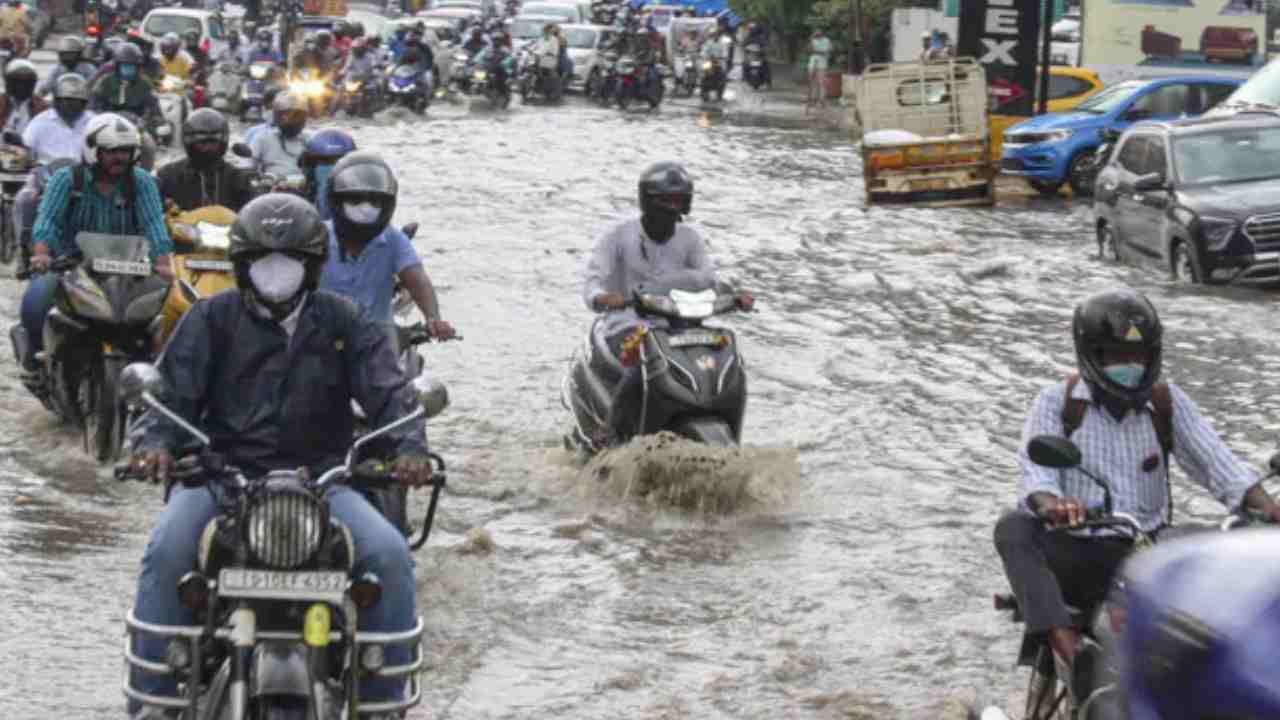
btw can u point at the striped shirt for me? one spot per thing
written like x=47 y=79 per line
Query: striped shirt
x=57 y=228
x=1117 y=450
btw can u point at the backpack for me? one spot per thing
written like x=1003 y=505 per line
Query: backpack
x=1161 y=407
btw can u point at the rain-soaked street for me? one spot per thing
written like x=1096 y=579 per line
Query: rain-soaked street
x=840 y=565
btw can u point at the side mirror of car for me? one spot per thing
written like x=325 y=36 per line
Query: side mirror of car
x=1148 y=182
x=1111 y=135
x=241 y=150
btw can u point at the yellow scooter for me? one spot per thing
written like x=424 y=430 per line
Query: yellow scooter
x=201 y=264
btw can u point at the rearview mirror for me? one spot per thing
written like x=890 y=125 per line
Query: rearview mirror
x=1052 y=451
x=137 y=379
x=432 y=395
x=1150 y=181
x=410 y=230
x=241 y=150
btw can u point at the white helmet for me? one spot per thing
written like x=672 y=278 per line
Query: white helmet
x=109 y=131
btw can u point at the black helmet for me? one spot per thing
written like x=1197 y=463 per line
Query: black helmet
x=357 y=29
x=263 y=35
x=362 y=177
x=324 y=39
x=127 y=54
x=668 y=185
x=341 y=28
x=283 y=223
x=1118 y=320
x=191 y=37
x=202 y=126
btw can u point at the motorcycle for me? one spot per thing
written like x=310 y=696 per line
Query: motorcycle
x=16 y=166
x=693 y=382
x=602 y=80
x=496 y=87
x=277 y=631
x=753 y=66
x=687 y=79
x=1097 y=693
x=713 y=79
x=634 y=82
x=361 y=96
x=540 y=75
x=409 y=87
x=225 y=88
x=106 y=316
x=201 y=266
x=1084 y=174
x=259 y=76
x=175 y=106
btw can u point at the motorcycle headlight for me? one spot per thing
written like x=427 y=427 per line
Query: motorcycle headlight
x=259 y=72
x=482 y=75
x=706 y=65
x=353 y=86
x=285 y=525
x=1217 y=231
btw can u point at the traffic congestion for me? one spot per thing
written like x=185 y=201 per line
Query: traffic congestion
x=476 y=359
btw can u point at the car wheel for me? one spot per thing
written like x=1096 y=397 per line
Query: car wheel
x=1082 y=174
x=1046 y=187
x=1108 y=247
x=1185 y=267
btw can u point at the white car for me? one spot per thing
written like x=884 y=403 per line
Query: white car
x=565 y=13
x=159 y=22
x=585 y=42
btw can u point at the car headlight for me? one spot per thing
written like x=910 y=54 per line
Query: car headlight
x=1217 y=231
x=285 y=526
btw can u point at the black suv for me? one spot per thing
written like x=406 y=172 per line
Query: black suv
x=1200 y=198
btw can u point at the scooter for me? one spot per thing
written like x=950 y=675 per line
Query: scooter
x=692 y=377
x=258 y=77
x=409 y=87
x=201 y=265
x=175 y=106
x=224 y=89
x=713 y=79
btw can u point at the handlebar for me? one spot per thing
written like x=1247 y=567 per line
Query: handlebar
x=60 y=264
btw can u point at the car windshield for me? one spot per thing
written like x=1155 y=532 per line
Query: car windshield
x=160 y=25
x=215 y=28
x=1109 y=99
x=580 y=38
x=526 y=29
x=567 y=13
x=1234 y=155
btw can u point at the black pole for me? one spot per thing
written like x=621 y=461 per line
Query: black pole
x=853 y=34
x=1046 y=51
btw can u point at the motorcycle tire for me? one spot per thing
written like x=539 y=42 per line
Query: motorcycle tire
x=656 y=94
x=8 y=234
x=624 y=99
x=104 y=426
x=755 y=83
x=592 y=87
x=555 y=89
x=282 y=707
x=525 y=90
x=706 y=94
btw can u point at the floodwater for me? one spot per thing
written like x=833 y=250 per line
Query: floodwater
x=839 y=565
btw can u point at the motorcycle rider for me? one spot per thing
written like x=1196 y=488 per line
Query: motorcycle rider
x=107 y=193
x=331 y=55
x=367 y=254
x=323 y=150
x=311 y=58
x=263 y=50
x=1202 y=616
x=1128 y=424
x=278 y=150
x=19 y=103
x=277 y=395
x=420 y=55
x=758 y=35
x=173 y=59
x=477 y=42
x=656 y=247
x=70 y=60
x=14 y=27
x=233 y=54
x=199 y=56
x=125 y=90
x=360 y=63
x=204 y=177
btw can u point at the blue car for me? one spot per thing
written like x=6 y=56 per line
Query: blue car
x=1058 y=148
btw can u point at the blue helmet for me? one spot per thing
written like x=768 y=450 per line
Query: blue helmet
x=1203 y=624
x=328 y=146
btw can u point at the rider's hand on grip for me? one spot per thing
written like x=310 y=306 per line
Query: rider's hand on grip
x=1062 y=512
x=745 y=301
x=150 y=465
x=413 y=470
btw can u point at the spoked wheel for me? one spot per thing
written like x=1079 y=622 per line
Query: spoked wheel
x=1046 y=697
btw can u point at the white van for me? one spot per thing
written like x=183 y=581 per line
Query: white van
x=161 y=21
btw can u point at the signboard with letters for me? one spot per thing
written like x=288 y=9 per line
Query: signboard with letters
x=1004 y=37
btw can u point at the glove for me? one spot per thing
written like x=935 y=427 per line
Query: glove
x=413 y=470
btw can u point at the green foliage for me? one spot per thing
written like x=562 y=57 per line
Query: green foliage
x=793 y=21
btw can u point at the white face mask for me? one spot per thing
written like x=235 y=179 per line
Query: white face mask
x=277 y=277
x=365 y=213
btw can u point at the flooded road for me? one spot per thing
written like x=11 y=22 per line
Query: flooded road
x=841 y=566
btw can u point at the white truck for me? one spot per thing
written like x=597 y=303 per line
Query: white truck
x=925 y=133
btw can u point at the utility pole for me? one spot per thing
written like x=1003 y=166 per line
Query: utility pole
x=857 y=56
x=1046 y=55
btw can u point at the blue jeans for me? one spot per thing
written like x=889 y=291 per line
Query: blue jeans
x=37 y=301
x=171 y=553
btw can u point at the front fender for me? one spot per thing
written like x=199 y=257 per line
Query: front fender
x=280 y=668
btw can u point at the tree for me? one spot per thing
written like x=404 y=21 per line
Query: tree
x=793 y=21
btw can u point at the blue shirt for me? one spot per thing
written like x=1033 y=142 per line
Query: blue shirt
x=369 y=278
x=57 y=228
x=253 y=132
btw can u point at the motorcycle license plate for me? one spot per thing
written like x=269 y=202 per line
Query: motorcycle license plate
x=121 y=267
x=695 y=338
x=282 y=585
x=214 y=265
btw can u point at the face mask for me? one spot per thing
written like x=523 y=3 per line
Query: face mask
x=1125 y=374
x=365 y=213
x=277 y=277
x=128 y=72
